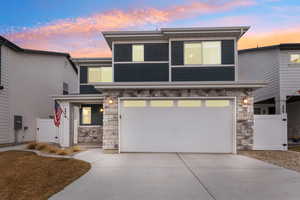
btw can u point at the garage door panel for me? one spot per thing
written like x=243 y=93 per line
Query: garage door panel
x=176 y=129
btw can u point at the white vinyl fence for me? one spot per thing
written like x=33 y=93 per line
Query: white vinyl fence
x=46 y=131
x=270 y=132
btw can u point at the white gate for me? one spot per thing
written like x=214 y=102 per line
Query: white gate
x=46 y=131
x=270 y=132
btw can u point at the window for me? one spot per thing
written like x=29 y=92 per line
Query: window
x=188 y=103
x=86 y=117
x=206 y=53
x=192 y=53
x=295 y=58
x=134 y=104
x=65 y=88
x=99 y=74
x=161 y=103
x=217 y=103
x=137 y=53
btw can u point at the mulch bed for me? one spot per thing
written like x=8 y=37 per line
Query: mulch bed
x=286 y=159
x=25 y=175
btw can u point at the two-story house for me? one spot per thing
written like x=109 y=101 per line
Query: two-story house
x=279 y=65
x=27 y=79
x=171 y=90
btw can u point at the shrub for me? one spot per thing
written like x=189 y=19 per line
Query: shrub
x=63 y=152
x=31 y=145
x=41 y=146
x=76 y=149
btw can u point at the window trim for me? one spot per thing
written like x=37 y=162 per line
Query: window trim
x=201 y=65
x=91 y=83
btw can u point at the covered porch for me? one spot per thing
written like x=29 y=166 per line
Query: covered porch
x=81 y=120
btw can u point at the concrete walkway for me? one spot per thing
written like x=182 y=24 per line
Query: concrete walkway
x=180 y=177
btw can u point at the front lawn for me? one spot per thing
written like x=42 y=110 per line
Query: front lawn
x=25 y=175
x=286 y=159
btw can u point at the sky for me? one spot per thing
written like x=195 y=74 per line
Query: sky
x=75 y=26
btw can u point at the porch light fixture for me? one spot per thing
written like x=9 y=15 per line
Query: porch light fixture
x=245 y=101
x=110 y=101
x=101 y=109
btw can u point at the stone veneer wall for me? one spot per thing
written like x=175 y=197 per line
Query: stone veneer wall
x=90 y=135
x=244 y=117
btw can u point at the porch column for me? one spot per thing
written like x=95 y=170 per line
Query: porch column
x=110 y=125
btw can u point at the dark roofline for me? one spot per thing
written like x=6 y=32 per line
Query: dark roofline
x=283 y=46
x=6 y=42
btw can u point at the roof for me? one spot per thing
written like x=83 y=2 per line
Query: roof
x=166 y=33
x=6 y=42
x=181 y=85
x=283 y=46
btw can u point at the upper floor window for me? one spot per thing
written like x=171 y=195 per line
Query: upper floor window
x=65 y=88
x=205 y=53
x=137 y=53
x=295 y=58
x=99 y=74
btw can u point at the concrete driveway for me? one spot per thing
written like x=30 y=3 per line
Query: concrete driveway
x=140 y=176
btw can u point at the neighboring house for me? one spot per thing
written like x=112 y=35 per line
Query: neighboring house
x=172 y=90
x=28 y=78
x=279 y=65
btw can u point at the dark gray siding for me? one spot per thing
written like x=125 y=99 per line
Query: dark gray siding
x=97 y=116
x=156 y=52
x=177 y=52
x=141 y=72
x=83 y=74
x=228 y=52
x=122 y=52
x=152 y=52
x=203 y=74
x=88 y=89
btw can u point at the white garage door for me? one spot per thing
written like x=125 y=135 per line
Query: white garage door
x=181 y=125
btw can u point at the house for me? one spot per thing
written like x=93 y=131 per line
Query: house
x=170 y=90
x=27 y=78
x=279 y=65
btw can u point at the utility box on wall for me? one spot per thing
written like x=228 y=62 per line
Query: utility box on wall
x=18 y=122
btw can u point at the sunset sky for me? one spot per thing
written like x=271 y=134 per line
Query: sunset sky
x=75 y=26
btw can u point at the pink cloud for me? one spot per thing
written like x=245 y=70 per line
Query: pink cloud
x=80 y=36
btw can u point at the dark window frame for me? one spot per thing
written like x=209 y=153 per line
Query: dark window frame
x=95 y=111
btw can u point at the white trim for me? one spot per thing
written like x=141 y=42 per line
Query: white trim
x=184 y=84
x=235 y=61
x=170 y=61
x=232 y=98
x=113 y=61
x=202 y=65
x=141 y=62
x=202 y=38
x=140 y=41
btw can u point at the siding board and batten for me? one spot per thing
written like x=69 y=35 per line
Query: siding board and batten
x=4 y=103
x=261 y=65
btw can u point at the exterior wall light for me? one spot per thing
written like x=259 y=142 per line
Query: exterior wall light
x=110 y=101
x=245 y=101
x=101 y=109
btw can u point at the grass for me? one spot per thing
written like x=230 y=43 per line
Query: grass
x=52 y=149
x=25 y=175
